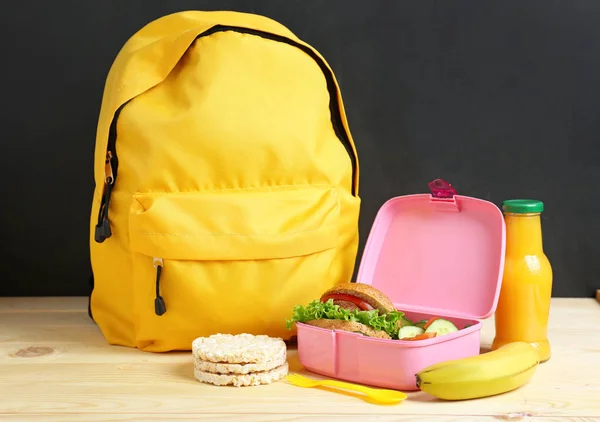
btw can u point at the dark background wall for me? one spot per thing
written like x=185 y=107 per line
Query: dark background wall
x=500 y=98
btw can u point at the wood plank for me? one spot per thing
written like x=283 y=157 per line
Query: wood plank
x=87 y=352
x=265 y=417
x=46 y=318
x=65 y=347
x=138 y=387
x=43 y=304
x=55 y=364
x=47 y=334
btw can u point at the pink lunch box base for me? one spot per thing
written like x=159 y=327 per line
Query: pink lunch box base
x=382 y=363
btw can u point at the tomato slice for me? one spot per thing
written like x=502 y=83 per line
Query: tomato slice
x=361 y=304
x=423 y=336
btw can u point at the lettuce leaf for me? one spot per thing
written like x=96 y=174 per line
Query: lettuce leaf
x=327 y=310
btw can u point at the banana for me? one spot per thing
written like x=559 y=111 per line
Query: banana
x=504 y=369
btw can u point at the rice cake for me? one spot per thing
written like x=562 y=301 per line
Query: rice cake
x=240 y=368
x=238 y=348
x=239 y=360
x=243 y=380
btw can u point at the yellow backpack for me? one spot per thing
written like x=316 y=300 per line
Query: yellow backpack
x=226 y=182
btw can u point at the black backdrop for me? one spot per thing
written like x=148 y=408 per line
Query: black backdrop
x=501 y=98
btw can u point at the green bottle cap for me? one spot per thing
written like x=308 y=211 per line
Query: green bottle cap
x=522 y=206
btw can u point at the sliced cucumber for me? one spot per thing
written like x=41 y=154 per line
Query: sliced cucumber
x=409 y=331
x=405 y=322
x=441 y=327
x=421 y=323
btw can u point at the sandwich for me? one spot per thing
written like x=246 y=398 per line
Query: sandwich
x=354 y=307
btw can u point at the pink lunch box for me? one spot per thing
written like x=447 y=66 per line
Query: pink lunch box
x=438 y=254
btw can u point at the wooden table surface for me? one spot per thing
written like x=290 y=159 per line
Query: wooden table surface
x=55 y=366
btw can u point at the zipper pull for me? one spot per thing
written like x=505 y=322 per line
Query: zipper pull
x=159 y=303
x=103 y=231
x=109 y=176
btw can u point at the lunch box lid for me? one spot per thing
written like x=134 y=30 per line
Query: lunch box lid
x=439 y=253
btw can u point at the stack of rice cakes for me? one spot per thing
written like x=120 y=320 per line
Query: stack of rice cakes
x=239 y=360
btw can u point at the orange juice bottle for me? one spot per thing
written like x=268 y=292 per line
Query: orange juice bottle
x=524 y=303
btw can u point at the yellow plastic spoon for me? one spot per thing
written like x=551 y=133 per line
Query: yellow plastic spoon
x=379 y=395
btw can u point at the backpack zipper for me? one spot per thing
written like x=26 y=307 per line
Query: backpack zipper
x=111 y=166
x=103 y=230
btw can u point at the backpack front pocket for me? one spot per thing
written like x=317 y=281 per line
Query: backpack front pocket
x=229 y=261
